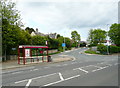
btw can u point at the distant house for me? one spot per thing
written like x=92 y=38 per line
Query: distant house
x=51 y=35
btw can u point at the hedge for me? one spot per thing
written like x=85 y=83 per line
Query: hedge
x=111 y=49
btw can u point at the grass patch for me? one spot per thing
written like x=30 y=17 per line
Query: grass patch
x=91 y=52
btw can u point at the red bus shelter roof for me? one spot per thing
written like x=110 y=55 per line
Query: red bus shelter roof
x=29 y=46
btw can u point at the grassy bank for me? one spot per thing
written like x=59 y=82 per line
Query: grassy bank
x=90 y=52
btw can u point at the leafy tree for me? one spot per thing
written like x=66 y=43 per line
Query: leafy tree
x=11 y=24
x=75 y=37
x=38 y=40
x=114 y=33
x=97 y=36
x=68 y=43
x=58 y=35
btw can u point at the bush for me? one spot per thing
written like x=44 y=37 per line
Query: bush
x=111 y=49
x=60 y=49
x=91 y=45
x=102 y=48
x=114 y=49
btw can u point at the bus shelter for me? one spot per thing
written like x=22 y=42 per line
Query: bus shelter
x=26 y=52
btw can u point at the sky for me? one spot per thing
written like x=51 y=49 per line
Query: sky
x=64 y=16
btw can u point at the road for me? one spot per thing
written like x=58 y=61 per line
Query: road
x=83 y=70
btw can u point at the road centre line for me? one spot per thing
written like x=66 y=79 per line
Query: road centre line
x=58 y=65
x=64 y=64
x=61 y=77
x=73 y=62
x=17 y=72
x=46 y=67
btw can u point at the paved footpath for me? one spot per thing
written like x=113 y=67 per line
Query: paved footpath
x=14 y=63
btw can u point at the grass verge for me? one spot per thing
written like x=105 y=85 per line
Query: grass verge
x=90 y=52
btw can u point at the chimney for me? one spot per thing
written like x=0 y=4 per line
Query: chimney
x=37 y=30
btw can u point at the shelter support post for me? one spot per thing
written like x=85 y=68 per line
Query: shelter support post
x=18 y=55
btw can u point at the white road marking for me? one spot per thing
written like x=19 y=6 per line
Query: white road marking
x=31 y=70
x=44 y=76
x=46 y=67
x=64 y=64
x=21 y=81
x=17 y=72
x=116 y=64
x=34 y=78
x=97 y=66
x=72 y=77
x=83 y=70
x=58 y=65
x=61 y=80
x=61 y=77
x=100 y=69
x=30 y=80
x=86 y=66
x=35 y=69
x=73 y=62
x=53 y=83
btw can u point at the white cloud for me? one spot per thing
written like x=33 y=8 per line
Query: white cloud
x=66 y=15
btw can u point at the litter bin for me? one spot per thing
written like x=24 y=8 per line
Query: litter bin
x=49 y=59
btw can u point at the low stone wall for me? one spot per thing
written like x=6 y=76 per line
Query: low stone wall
x=52 y=51
x=15 y=57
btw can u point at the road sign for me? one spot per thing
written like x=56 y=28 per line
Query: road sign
x=13 y=48
x=63 y=44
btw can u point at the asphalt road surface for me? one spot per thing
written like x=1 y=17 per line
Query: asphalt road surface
x=83 y=70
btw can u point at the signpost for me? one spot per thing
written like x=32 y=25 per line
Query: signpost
x=63 y=45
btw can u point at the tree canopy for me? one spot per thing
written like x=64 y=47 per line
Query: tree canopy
x=114 y=33
x=75 y=36
x=11 y=24
x=97 y=36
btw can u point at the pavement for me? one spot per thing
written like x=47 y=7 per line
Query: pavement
x=12 y=64
x=83 y=70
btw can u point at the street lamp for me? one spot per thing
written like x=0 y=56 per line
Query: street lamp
x=107 y=39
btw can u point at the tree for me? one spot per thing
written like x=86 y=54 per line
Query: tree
x=114 y=33
x=58 y=35
x=11 y=24
x=97 y=36
x=38 y=40
x=30 y=30
x=75 y=37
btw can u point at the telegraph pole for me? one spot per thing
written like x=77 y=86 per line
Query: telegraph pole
x=107 y=40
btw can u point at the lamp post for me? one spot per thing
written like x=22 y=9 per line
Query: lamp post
x=107 y=40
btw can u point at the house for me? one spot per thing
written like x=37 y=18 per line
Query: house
x=51 y=35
